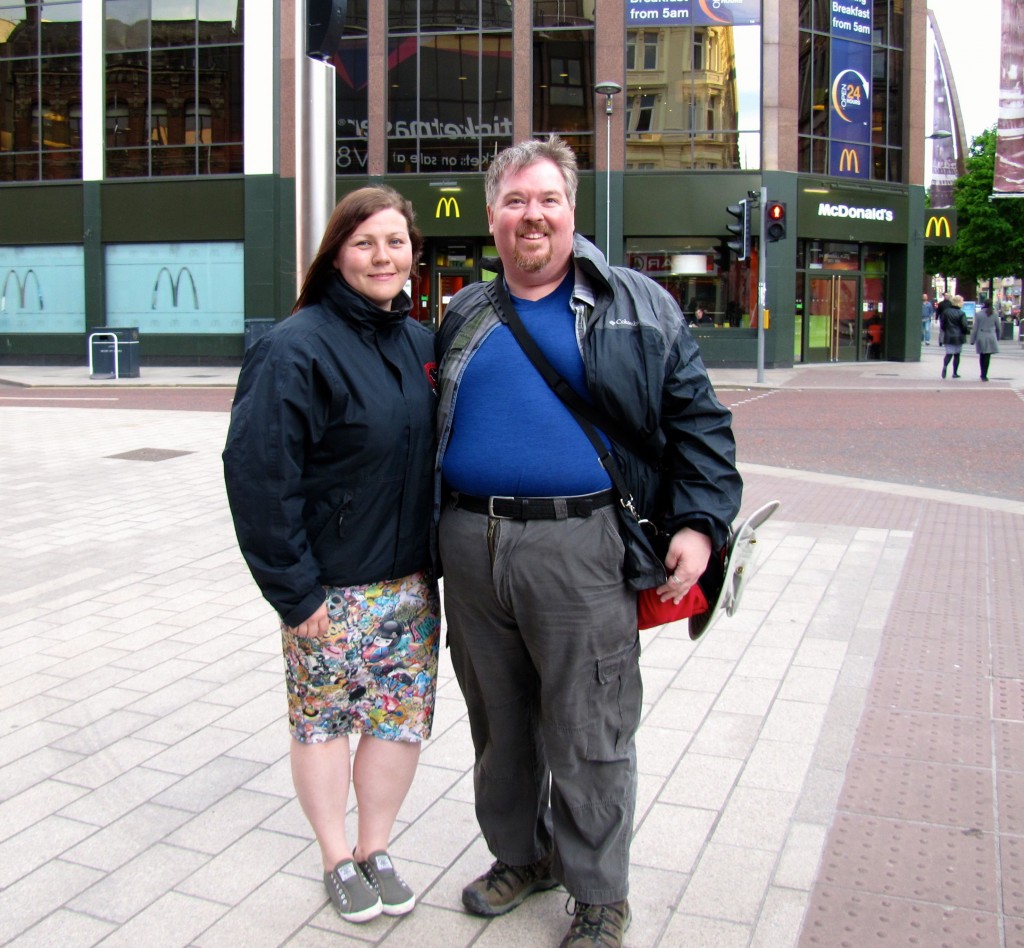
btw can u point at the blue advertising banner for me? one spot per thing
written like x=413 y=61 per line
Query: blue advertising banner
x=850 y=89
x=693 y=13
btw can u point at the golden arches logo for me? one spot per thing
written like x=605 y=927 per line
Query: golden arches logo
x=849 y=160
x=938 y=226
x=449 y=204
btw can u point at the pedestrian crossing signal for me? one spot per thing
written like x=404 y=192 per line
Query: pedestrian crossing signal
x=775 y=220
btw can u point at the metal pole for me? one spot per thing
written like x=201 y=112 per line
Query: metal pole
x=315 y=126
x=608 y=183
x=762 y=284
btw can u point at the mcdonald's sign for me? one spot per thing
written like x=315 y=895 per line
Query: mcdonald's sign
x=448 y=204
x=940 y=226
x=849 y=161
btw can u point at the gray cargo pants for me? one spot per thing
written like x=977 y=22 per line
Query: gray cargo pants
x=544 y=642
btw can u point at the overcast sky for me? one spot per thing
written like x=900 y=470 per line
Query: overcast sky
x=970 y=32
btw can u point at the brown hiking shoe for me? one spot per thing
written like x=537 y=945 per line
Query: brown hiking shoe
x=602 y=926
x=502 y=887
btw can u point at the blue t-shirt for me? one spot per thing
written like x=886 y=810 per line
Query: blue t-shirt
x=512 y=436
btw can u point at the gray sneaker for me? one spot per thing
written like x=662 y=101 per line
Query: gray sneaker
x=601 y=926
x=396 y=897
x=503 y=887
x=354 y=898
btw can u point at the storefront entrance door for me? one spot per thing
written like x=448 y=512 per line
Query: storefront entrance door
x=447 y=283
x=832 y=319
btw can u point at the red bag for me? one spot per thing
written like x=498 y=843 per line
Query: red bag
x=651 y=611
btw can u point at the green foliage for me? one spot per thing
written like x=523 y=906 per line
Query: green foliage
x=990 y=232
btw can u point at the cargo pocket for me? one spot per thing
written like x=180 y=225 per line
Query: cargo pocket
x=616 y=696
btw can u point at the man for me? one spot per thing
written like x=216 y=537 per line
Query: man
x=542 y=627
x=927 y=314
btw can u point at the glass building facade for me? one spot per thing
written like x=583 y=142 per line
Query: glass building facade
x=168 y=126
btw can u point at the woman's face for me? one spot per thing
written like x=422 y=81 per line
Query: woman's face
x=376 y=258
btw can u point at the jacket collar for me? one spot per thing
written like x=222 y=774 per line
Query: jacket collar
x=593 y=275
x=356 y=309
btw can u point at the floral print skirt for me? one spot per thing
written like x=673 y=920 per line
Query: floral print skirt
x=374 y=671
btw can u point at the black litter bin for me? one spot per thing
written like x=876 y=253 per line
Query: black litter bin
x=101 y=352
x=1007 y=329
x=256 y=329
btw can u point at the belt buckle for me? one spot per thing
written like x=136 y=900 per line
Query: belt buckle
x=490 y=508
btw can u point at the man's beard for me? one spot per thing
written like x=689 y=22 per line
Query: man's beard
x=532 y=262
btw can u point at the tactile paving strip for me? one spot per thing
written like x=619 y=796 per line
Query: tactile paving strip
x=908 y=860
x=1011 y=802
x=913 y=735
x=936 y=653
x=1009 y=699
x=960 y=797
x=844 y=919
x=1009 y=744
x=1012 y=863
x=939 y=692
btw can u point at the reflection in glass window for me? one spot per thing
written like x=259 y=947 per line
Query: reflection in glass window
x=174 y=87
x=41 y=79
x=449 y=89
x=564 y=12
x=642 y=49
x=563 y=88
x=816 y=75
x=693 y=97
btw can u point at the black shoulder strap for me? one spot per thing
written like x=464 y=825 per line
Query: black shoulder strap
x=577 y=405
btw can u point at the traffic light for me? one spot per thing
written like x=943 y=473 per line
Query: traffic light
x=741 y=229
x=325 y=22
x=775 y=223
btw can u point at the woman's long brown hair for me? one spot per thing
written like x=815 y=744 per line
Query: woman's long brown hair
x=351 y=211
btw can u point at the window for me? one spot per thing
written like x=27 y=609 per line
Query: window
x=563 y=76
x=174 y=87
x=41 y=79
x=641 y=113
x=641 y=50
x=450 y=87
x=825 y=144
x=702 y=108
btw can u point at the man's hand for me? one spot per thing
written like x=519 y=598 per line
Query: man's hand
x=317 y=624
x=686 y=560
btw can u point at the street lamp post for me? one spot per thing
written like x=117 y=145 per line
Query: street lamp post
x=608 y=89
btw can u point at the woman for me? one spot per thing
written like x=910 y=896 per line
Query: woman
x=985 y=337
x=328 y=468
x=953 y=324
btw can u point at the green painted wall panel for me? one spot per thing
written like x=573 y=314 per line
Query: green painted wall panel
x=139 y=211
x=41 y=214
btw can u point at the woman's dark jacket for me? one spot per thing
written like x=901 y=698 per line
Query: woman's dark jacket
x=329 y=456
x=953 y=323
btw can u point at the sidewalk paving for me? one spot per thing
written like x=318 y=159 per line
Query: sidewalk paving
x=842 y=761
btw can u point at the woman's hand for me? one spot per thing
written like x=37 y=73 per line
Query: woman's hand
x=317 y=624
x=686 y=560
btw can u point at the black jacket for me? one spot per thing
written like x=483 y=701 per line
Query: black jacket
x=954 y=326
x=643 y=370
x=329 y=456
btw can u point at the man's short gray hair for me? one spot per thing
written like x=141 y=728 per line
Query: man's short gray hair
x=517 y=157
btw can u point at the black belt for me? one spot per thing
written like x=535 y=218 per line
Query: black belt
x=534 y=508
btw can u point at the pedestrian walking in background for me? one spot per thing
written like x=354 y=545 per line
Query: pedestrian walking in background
x=985 y=338
x=541 y=622
x=927 y=314
x=954 y=328
x=329 y=474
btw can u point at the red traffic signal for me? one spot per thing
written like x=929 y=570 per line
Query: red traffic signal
x=775 y=220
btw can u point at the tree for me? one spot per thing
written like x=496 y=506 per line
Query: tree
x=990 y=232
